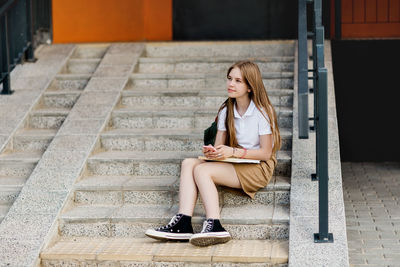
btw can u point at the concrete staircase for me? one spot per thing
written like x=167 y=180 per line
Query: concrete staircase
x=131 y=180
x=29 y=143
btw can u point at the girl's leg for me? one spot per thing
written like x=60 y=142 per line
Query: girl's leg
x=180 y=226
x=207 y=176
x=187 y=187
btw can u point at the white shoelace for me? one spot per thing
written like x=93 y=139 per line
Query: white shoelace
x=171 y=223
x=207 y=226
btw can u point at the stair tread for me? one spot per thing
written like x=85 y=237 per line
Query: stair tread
x=149 y=213
x=6 y=190
x=31 y=132
x=161 y=155
x=191 y=89
x=3 y=210
x=181 y=111
x=153 y=183
x=181 y=92
x=147 y=249
x=69 y=76
x=196 y=75
x=62 y=92
x=51 y=111
x=285 y=132
x=126 y=183
x=12 y=182
x=23 y=156
x=214 y=59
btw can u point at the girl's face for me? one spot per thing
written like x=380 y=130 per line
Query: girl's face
x=236 y=86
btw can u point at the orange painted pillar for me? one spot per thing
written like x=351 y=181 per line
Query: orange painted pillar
x=81 y=21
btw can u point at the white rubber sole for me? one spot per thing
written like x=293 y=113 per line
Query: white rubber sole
x=167 y=236
x=207 y=239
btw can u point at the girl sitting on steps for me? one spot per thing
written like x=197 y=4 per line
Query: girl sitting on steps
x=247 y=128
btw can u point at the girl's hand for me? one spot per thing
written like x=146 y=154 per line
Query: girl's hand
x=224 y=151
x=209 y=151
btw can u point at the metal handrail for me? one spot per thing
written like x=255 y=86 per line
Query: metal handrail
x=320 y=116
x=21 y=44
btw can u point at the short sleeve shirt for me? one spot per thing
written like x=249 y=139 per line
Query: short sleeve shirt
x=248 y=127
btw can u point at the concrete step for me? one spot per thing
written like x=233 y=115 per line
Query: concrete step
x=195 y=90
x=145 y=183
x=120 y=190
x=243 y=221
x=92 y=51
x=47 y=118
x=178 y=117
x=18 y=164
x=60 y=99
x=23 y=156
x=66 y=82
x=221 y=49
x=16 y=168
x=8 y=194
x=12 y=182
x=33 y=139
x=211 y=65
x=148 y=252
x=3 y=211
x=274 y=80
x=200 y=98
x=159 y=163
x=161 y=140
x=80 y=66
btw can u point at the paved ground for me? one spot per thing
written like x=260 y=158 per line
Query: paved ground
x=372 y=202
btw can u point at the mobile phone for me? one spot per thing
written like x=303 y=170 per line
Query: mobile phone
x=210 y=148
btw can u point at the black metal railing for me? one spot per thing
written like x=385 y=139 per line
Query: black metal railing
x=320 y=91
x=19 y=19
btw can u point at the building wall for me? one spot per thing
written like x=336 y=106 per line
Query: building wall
x=137 y=20
x=108 y=21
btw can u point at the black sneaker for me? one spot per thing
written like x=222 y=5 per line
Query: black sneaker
x=179 y=228
x=212 y=233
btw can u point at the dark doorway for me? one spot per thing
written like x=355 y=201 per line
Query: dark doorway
x=234 y=19
x=367 y=88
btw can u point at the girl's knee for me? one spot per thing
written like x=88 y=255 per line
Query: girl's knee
x=189 y=162
x=200 y=170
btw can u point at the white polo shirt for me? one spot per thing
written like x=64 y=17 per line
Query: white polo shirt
x=249 y=127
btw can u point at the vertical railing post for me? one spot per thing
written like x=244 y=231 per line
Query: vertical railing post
x=322 y=153
x=320 y=116
x=29 y=54
x=302 y=70
x=5 y=56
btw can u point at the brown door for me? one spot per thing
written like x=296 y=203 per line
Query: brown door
x=370 y=18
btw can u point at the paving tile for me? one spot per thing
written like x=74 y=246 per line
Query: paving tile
x=74 y=250
x=243 y=251
x=373 y=213
x=183 y=252
x=128 y=249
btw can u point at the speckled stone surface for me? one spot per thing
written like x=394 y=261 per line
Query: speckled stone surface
x=61 y=164
x=304 y=192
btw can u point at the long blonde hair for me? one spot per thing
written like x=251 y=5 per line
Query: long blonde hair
x=252 y=77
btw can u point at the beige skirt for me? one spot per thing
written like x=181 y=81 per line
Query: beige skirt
x=253 y=177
